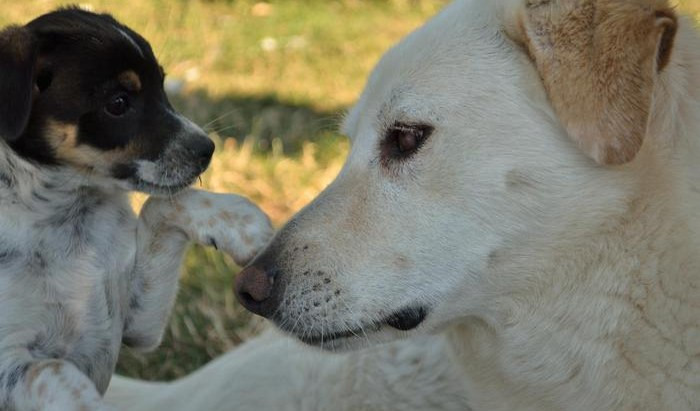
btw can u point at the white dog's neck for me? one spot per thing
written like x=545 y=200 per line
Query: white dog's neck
x=611 y=318
x=620 y=316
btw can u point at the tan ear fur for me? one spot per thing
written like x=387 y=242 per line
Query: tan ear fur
x=599 y=61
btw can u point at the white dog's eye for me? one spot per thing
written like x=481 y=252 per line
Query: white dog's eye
x=403 y=140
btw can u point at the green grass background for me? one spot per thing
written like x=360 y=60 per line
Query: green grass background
x=271 y=81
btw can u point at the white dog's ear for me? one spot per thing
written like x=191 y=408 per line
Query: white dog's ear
x=599 y=61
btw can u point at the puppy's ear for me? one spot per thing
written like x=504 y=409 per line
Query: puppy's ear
x=18 y=54
x=599 y=61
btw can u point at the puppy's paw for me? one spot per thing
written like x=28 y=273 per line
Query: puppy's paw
x=103 y=407
x=57 y=385
x=229 y=222
x=78 y=405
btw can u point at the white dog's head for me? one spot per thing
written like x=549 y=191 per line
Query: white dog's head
x=497 y=130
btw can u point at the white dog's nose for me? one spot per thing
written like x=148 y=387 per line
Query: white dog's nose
x=255 y=288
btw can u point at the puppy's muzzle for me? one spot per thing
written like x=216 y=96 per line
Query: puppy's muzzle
x=201 y=149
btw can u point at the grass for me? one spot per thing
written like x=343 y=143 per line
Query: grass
x=270 y=81
x=276 y=77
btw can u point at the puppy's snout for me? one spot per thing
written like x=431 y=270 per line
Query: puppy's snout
x=257 y=290
x=201 y=149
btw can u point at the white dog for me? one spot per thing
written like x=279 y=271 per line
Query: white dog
x=523 y=185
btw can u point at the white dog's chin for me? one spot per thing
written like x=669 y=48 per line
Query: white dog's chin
x=397 y=326
x=355 y=339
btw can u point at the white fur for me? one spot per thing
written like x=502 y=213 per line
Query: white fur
x=79 y=274
x=553 y=283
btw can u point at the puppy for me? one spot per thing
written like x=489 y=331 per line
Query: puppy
x=84 y=120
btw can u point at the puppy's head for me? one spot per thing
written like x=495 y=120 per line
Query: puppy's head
x=82 y=90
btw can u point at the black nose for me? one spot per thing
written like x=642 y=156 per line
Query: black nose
x=201 y=148
x=258 y=291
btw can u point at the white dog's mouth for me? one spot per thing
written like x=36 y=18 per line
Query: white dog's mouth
x=403 y=320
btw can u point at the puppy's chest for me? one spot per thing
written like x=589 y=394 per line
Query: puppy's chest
x=69 y=265
x=87 y=242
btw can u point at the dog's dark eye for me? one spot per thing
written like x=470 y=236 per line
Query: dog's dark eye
x=43 y=80
x=403 y=140
x=118 y=105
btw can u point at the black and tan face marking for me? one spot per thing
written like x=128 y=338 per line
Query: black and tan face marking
x=130 y=80
x=95 y=102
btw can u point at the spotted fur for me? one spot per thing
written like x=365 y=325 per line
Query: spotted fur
x=80 y=273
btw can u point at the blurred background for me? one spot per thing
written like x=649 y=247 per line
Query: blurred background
x=270 y=81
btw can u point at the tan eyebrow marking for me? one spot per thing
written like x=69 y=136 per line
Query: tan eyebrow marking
x=130 y=81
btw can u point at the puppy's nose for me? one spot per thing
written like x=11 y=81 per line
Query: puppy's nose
x=255 y=289
x=201 y=148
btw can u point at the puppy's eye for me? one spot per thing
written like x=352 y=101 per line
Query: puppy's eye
x=43 y=80
x=118 y=105
x=403 y=140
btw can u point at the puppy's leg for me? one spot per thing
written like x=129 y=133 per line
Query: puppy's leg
x=228 y=222
x=47 y=385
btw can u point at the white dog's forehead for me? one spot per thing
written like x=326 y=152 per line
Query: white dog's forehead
x=417 y=81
